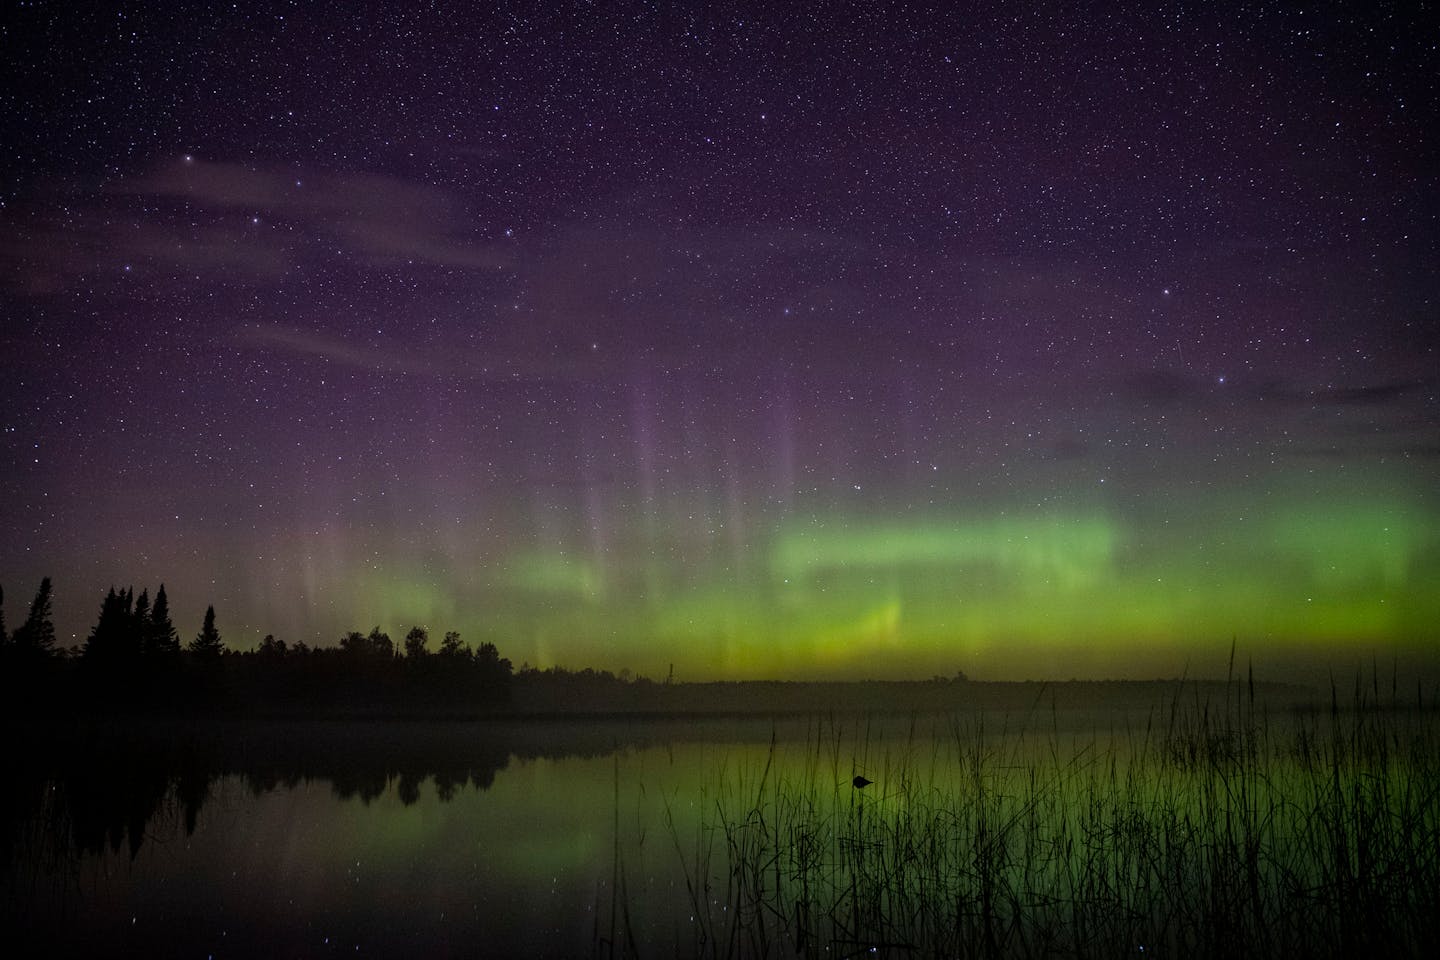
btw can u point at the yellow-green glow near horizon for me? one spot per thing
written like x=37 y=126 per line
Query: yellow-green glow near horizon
x=995 y=590
x=761 y=375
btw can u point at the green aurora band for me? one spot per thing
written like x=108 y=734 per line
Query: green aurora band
x=1295 y=574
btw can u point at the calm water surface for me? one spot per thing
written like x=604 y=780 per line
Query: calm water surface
x=451 y=839
x=392 y=839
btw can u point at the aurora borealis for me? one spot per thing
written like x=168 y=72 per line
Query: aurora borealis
x=775 y=340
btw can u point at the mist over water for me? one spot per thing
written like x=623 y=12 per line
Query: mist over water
x=716 y=837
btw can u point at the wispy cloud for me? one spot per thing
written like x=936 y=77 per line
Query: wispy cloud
x=228 y=221
x=410 y=360
x=386 y=219
x=1371 y=394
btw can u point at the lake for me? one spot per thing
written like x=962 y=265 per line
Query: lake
x=1073 y=834
x=451 y=839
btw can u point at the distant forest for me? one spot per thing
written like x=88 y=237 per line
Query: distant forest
x=134 y=663
x=133 y=660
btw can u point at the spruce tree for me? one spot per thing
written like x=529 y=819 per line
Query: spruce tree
x=207 y=643
x=36 y=637
x=162 y=640
x=126 y=643
x=107 y=639
x=138 y=629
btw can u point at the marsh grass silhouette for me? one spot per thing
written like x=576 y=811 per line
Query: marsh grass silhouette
x=1214 y=829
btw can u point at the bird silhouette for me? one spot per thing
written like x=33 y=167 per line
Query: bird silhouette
x=860 y=782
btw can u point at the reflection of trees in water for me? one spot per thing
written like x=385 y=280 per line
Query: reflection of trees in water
x=362 y=760
x=79 y=792
x=73 y=796
x=113 y=802
x=67 y=800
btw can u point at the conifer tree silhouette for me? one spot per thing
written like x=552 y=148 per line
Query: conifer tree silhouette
x=107 y=638
x=138 y=628
x=162 y=640
x=126 y=643
x=35 y=639
x=207 y=643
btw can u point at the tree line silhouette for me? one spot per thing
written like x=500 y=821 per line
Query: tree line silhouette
x=133 y=660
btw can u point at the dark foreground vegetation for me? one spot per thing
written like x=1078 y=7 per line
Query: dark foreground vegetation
x=1221 y=830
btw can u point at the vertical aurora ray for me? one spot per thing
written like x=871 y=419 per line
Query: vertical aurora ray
x=1285 y=566
x=619 y=356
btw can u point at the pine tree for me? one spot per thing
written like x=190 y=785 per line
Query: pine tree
x=36 y=637
x=126 y=643
x=415 y=643
x=162 y=640
x=107 y=639
x=138 y=628
x=207 y=643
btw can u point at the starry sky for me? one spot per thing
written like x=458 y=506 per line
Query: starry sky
x=760 y=340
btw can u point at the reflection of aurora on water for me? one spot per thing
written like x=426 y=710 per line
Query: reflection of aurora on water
x=395 y=837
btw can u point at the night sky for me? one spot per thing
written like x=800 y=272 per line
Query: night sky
x=763 y=340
